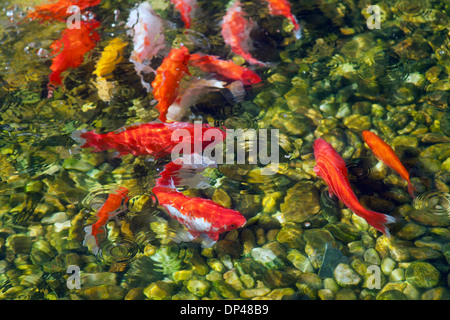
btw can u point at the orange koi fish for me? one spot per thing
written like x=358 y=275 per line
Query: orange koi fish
x=236 y=32
x=386 y=154
x=283 y=8
x=168 y=77
x=224 y=68
x=153 y=138
x=59 y=10
x=187 y=9
x=71 y=48
x=114 y=205
x=202 y=217
x=331 y=168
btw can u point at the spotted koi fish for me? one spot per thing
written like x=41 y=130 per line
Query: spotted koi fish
x=236 y=32
x=202 y=217
x=114 y=205
x=385 y=153
x=331 y=168
x=146 y=28
x=168 y=76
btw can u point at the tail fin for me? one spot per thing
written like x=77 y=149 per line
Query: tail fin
x=411 y=189
x=378 y=221
x=89 y=139
x=90 y=240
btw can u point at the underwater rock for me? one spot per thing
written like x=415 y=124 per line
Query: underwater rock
x=392 y=295
x=422 y=275
x=357 y=122
x=103 y=292
x=19 y=243
x=159 y=290
x=198 y=287
x=345 y=276
x=411 y=231
x=301 y=202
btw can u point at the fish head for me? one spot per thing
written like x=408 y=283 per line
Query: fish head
x=230 y=220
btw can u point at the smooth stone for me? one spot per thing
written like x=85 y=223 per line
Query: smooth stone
x=422 y=275
x=301 y=202
x=387 y=265
x=345 y=276
x=392 y=295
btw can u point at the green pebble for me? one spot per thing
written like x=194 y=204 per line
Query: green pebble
x=422 y=275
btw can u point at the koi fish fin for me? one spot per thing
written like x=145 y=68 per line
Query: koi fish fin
x=236 y=92
x=411 y=189
x=208 y=239
x=88 y=139
x=378 y=221
x=90 y=240
x=186 y=172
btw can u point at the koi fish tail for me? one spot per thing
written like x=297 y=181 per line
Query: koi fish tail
x=411 y=189
x=90 y=240
x=90 y=139
x=377 y=220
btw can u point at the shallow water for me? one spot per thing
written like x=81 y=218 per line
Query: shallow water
x=340 y=78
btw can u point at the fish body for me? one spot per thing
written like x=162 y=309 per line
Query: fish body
x=70 y=49
x=387 y=155
x=283 y=8
x=154 y=138
x=186 y=171
x=146 y=28
x=59 y=10
x=114 y=205
x=200 y=216
x=190 y=95
x=236 y=32
x=168 y=76
x=111 y=56
x=187 y=9
x=331 y=168
x=224 y=68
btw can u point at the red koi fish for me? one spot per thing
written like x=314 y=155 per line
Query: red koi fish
x=114 y=205
x=186 y=171
x=331 y=168
x=385 y=153
x=187 y=9
x=236 y=32
x=202 y=217
x=283 y=8
x=59 y=10
x=153 y=138
x=168 y=77
x=224 y=68
x=71 y=48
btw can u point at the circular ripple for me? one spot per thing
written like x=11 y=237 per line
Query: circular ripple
x=434 y=202
x=112 y=252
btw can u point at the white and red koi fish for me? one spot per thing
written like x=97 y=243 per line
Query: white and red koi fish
x=114 y=205
x=195 y=90
x=225 y=69
x=387 y=155
x=187 y=9
x=331 y=168
x=146 y=28
x=202 y=217
x=186 y=171
x=236 y=32
x=153 y=138
x=283 y=8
